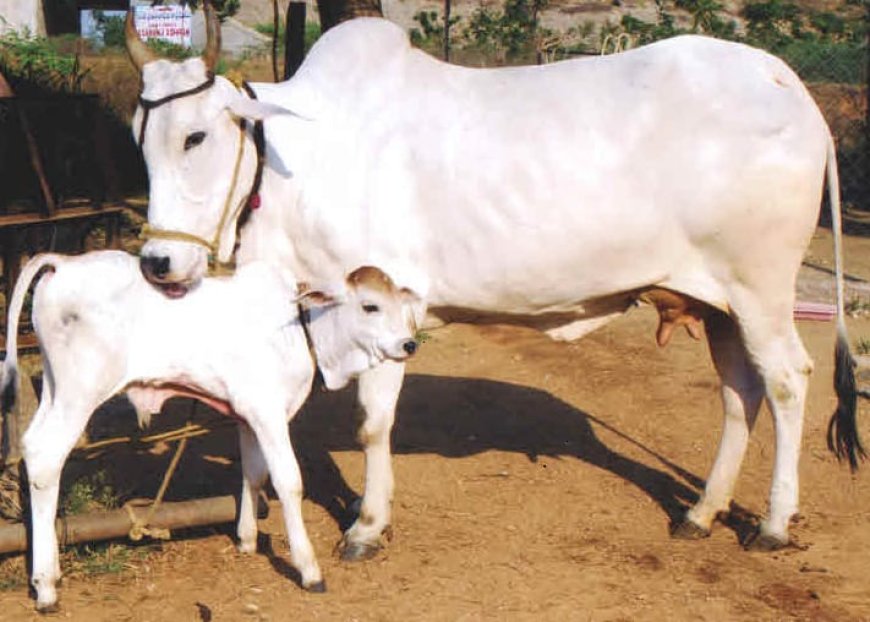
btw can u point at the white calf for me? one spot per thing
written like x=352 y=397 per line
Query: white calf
x=236 y=342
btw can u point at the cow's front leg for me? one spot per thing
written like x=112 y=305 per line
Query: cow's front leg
x=378 y=392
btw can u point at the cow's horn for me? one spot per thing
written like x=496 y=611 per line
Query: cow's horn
x=139 y=52
x=213 y=34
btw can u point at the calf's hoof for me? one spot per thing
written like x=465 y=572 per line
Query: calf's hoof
x=349 y=551
x=247 y=548
x=318 y=587
x=687 y=530
x=764 y=542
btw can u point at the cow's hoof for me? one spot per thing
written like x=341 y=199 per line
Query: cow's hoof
x=318 y=587
x=687 y=530
x=357 y=551
x=48 y=608
x=764 y=542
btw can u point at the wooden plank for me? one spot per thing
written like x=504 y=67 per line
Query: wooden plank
x=62 y=214
x=26 y=341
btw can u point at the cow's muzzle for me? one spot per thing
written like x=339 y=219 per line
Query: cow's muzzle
x=156 y=269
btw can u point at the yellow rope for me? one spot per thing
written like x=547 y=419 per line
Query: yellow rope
x=188 y=431
x=142 y=527
x=148 y=232
x=216 y=268
x=235 y=76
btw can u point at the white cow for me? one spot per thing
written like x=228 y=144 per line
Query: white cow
x=687 y=173
x=236 y=343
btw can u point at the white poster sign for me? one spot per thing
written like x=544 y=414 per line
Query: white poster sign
x=166 y=22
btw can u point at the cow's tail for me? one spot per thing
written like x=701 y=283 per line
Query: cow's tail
x=9 y=371
x=843 y=439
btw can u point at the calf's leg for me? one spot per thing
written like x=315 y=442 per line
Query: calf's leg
x=47 y=443
x=254 y=473
x=274 y=440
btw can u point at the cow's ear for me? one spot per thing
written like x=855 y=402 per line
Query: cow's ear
x=245 y=107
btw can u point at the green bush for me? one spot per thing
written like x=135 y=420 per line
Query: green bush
x=508 y=33
x=113 y=31
x=34 y=63
x=312 y=32
x=430 y=34
x=224 y=8
x=824 y=61
x=89 y=493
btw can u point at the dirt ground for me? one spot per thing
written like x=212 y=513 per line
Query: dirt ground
x=534 y=480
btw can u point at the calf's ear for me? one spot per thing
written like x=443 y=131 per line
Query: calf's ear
x=409 y=296
x=319 y=297
x=315 y=298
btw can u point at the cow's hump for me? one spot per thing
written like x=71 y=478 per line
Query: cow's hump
x=356 y=46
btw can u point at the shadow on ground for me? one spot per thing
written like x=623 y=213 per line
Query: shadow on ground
x=448 y=417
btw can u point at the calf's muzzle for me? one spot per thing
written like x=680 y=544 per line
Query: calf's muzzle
x=410 y=347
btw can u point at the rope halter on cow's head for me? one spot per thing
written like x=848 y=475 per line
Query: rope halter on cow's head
x=141 y=54
x=213 y=246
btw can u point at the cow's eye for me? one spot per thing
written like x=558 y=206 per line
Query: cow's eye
x=193 y=140
x=370 y=308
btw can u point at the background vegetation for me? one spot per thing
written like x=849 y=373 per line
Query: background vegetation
x=825 y=46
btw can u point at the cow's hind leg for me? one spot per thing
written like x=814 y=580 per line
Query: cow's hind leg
x=779 y=355
x=254 y=473
x=378 y=393
x=742 y=392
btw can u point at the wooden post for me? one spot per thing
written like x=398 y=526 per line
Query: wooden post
x=333 y=12
x=539 y=56
x=294 y=38
x=867 y=111
x=5 y=89
x=447 y=30
x=275 y=23
x=35 y=159
x=108 y=174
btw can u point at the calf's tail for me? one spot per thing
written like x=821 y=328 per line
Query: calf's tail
x=9 y=370
x=843 y=438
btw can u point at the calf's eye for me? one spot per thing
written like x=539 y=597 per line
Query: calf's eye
x=370 y=308
x=193 y=140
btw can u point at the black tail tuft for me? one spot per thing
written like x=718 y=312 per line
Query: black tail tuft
x=843 y=438
x=8 y=387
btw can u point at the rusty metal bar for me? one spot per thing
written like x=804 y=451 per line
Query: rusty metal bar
x=116 y=523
